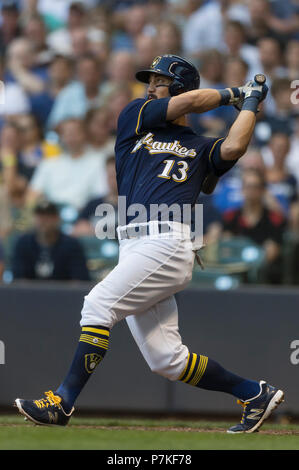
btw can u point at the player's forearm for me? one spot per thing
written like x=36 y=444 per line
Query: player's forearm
x=195 y=101
x=239 y=136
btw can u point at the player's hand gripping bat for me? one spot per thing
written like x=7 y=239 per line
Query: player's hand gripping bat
x=211 y=180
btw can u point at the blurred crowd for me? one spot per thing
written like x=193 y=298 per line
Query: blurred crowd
x=68 y=70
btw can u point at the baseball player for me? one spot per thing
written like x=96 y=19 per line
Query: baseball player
x=161 y=161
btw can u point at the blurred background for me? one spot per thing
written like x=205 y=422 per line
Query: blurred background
x=68 y=69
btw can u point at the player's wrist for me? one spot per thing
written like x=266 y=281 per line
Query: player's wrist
x=229 y=96
x=251 y=103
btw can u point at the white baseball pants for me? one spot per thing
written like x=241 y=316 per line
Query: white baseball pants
x=141 y=288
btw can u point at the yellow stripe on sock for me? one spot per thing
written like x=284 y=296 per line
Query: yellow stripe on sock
x=96 y=338
x=200 y=370
x=95 y=341
x=102 y=346
x=96 y=330
x=191 y=367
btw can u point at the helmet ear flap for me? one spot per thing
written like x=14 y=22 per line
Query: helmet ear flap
x=175 y=88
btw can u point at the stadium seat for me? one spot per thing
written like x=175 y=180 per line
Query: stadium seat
x=239 y=258
x=101 y=255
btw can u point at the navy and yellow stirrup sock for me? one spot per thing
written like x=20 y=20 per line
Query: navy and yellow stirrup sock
x=92 y=347
x=203 y=372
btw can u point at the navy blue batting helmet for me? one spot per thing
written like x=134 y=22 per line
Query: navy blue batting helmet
x=184 y=74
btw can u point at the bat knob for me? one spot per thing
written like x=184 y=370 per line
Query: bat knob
x=260 y=78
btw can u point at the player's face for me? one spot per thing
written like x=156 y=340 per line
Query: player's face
x=158 y=86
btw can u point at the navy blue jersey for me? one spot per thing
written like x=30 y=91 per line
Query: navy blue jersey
x=158 y=162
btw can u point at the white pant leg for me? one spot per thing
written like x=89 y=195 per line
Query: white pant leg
x=157 y=335
x=149 y=270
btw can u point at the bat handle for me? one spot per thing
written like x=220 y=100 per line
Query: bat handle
x=260 y=79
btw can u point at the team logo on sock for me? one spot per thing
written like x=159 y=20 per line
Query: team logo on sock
x=91 y=362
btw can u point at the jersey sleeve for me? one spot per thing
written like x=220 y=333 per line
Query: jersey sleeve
x=216 y=164
x=142 y=114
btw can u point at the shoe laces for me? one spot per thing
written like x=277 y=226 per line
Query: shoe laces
x=244 y=404
x=50 y=400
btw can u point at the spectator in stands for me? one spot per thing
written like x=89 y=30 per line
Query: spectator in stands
x=204 y=28
x=115 y=102
x=9 y=154
x=283 y=118
x=22 y=69
x=75 y=176
x=60 y=39
x=80 y=95
x=254 y=221
x=47 y=253
x=211 y=69
x=34 y=148
x=283 y=19
x=35 y=31
x=61 y=71
x=169 y=38
x=134 y=20
x=14 y=100
x=10 y=27
x=87 y=218
x=99 y=44
x=235 y=71
x=270 y=56
x=80 y=43
x=121 y=72
x=292 y=59
x=258 y=13
x=146 y=49
x=98 y=131
x=236 y=46
x=281 y=184
x=15 y=215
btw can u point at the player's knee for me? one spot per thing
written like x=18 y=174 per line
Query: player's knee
x=169 y=365
x=96 y=314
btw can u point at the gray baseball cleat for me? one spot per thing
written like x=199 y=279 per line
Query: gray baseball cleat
x=46 y=411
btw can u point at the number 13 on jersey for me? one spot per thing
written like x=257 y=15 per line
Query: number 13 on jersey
x=168 y=174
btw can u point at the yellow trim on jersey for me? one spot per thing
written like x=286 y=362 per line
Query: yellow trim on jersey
x=211 y=151
x=96 y=330
x=139 y=116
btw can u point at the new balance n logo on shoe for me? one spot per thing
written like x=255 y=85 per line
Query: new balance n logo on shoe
x=255 y=415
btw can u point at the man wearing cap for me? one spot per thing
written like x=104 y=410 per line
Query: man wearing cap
x=47 y=253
